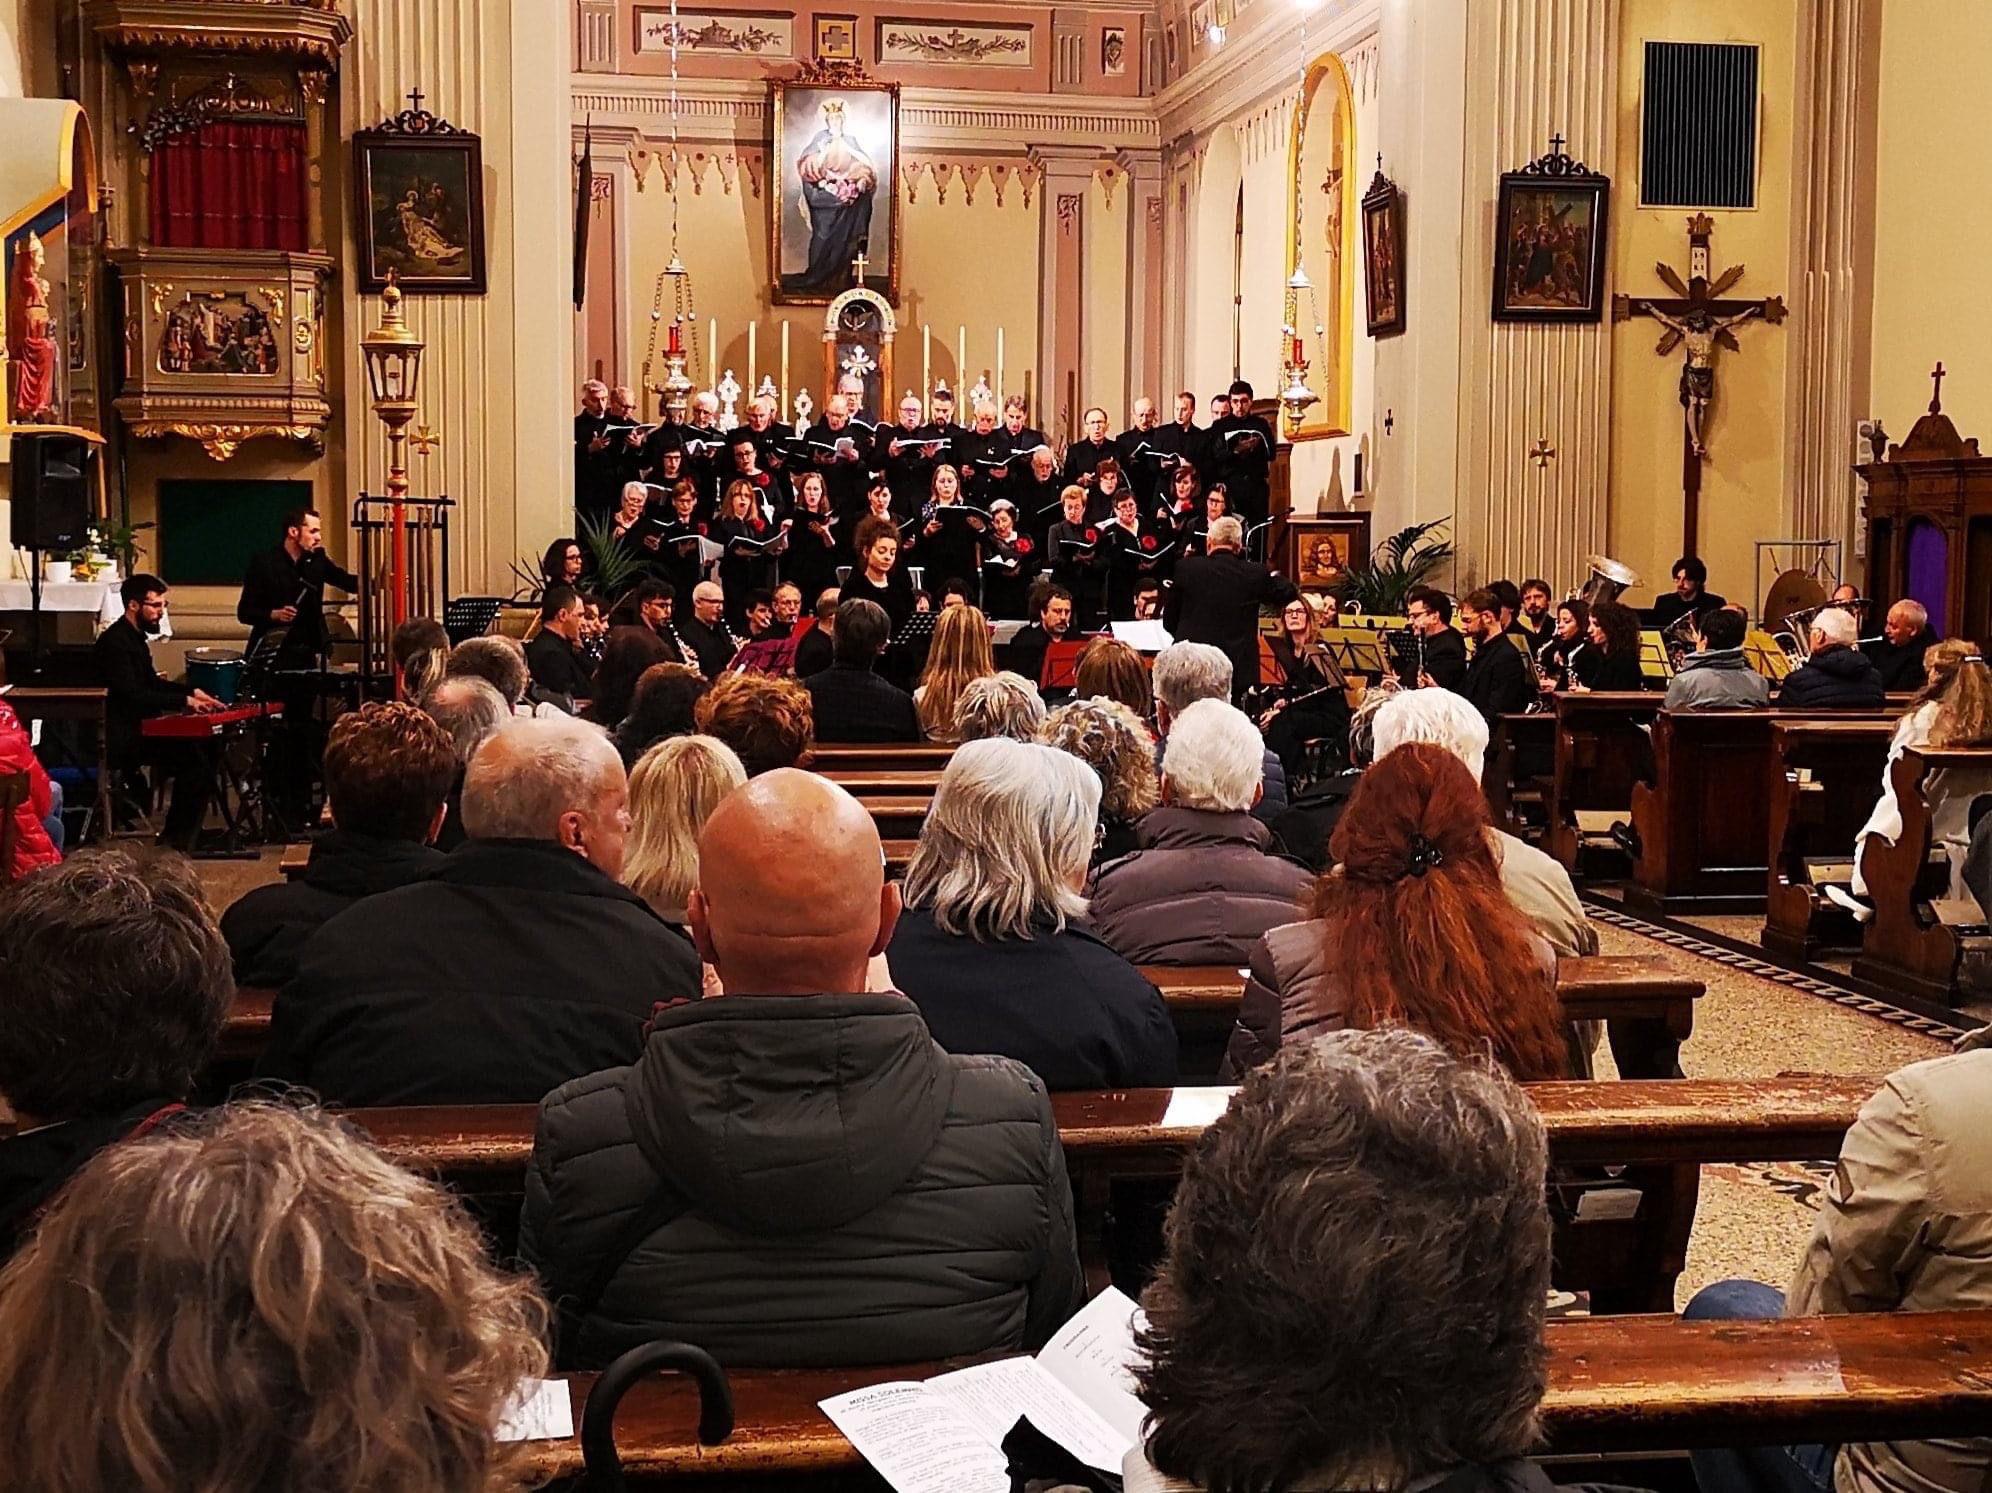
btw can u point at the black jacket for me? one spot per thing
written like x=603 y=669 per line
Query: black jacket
x=266 y=927
x=853 y=704
x=1833 y=679
x=830 y=1188
x=557 y=667
x=515 y=967
x=36 y=1166
x=815 y=653
x=275 y=580
x=1901 y=667
x=1216 y=600
x=1074 y=1011
x=134 y=688
x=1498 y=679
x=1669 y=606
x=1445 y=661
x=713 y=646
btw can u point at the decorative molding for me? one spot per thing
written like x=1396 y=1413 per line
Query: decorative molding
x=305 y=30
x=220 y=441
x=1108 y=175
x=906 y=40
x=717 y=33
x=1068 y=211
x=1257 y=61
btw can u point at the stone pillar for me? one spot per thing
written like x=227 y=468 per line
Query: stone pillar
x=1066 y=184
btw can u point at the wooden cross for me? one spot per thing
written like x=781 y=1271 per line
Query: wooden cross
x=1542 y=454
x=1697 y=316
x=1937 y=388
x=415 y=99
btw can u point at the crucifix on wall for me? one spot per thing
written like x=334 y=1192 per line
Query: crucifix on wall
x=1700 y=321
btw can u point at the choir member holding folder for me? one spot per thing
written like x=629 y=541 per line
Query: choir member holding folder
x=951 y=533
x=1073 y=546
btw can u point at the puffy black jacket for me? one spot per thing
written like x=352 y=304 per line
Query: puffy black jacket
x=266 y=927
x=515 y=967
x=1833 y=679
x=831 y=1188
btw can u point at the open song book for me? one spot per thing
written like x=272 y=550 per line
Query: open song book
x=945 y=1435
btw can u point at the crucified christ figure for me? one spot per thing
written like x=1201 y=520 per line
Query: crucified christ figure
x=1701 y=330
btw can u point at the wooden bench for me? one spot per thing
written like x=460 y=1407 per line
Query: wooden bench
x=885 y=782
x=1615 y=1384
x=1601 y=751
x=889 y=756
x=1627 y=1256
x=1518 y=773
x=1824 y=780
x=897 y=816
x=1916 y=938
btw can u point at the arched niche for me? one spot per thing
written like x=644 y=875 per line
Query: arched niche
x=1322 y=236
x=858 y=334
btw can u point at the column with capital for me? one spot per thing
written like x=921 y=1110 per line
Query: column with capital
x=1144 y=279
x=1065 y=185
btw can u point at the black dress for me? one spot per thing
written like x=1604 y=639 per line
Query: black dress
x=954 y=551
x=814 y=553
x=1077 y=569
x=1131 y=557
x=1007 y=572
x=1307 y=715
x=896 y=595
x=1599 y=670
x=746 y=564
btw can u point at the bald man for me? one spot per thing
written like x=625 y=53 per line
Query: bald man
x=1139 y=452
x=818 y=1182
x=705 y=632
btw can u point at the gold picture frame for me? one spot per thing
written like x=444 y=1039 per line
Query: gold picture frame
x=833 y=179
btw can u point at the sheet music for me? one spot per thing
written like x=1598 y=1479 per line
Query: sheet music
x=1195 y=1108
x=994 y=1395
x=1143 y=637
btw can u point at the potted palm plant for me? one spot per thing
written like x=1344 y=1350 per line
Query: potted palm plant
x=1407 y=559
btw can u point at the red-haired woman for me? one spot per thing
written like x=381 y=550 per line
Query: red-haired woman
x=1411 y=928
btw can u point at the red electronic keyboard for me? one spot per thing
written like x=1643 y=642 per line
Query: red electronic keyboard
x=199 y=725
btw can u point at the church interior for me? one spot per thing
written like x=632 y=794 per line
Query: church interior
x=1638 y=334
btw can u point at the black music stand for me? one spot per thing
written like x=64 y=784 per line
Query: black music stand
x=470 y=616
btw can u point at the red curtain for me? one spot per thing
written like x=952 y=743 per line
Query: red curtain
x=231 y=185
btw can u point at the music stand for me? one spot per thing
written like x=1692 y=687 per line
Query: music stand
x=1060 y=669
x=470 y=616
x=262 y=663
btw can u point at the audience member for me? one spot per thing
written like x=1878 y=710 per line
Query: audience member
x=1953 y=708
x=1836 y=674
x=1411 y=928
x=419 y=651
x=959 y=656
x=799 y=1174
x=1717 y=676
x=991 y=948
x=500 y=662
x=1535 y=882
x=520 y=964
x=1906 y=636
x=389 y=769
x=1353 y=1286
x=1185 y=673
x=113 y=984
x=1114 y=742
x=630 y=651
x=37 y=818
x=1202 y=885
x=468 y=710
x=1904 y=1225
x=1110 y=668
x=1000 y=704
x=851 y=702
x=662 y=706
x=816 y=652
x=554 y=654
x=673 y=790
x=768 y=721
x=258 y=1300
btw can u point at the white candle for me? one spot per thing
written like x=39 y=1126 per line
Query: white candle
x=751 y=384
x=783 y=412
x=926 y=369
x=961 y=373
x=999 y=365
x=712 y=352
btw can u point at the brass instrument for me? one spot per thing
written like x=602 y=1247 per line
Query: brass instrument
x=1609 y=580
x=1674 y=639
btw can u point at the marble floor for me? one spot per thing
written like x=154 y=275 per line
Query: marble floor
x=1752 y=1220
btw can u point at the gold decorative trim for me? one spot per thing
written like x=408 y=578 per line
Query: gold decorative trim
x=221 y=441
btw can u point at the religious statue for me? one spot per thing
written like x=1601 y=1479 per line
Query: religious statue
x=1331 y=228
x=1700 y=331
x=838 y=181
x=30 y=343
x=728 y=390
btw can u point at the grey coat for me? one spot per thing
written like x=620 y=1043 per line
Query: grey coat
x=840 y=1190
x=1200 y=890
x=1722 y=680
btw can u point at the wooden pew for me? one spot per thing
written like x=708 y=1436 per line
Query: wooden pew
x=1628 y=1257
x=1615 y=1384
x=1825 y=778
x=1518 y=774
x=880 y=757
x=898 y=817
x=1601 y=751
x=1916 y=938
x=884 y=782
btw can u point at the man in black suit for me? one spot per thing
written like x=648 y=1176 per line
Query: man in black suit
x=554 y=654
x=1138 y=452
x=134 y=692
x=705 y=632
x=1241 y=454
x=1184 y=439
x=597 y=453
x=1498 y=680
x=1053 y=625
x=1216 y=600
x=1083 y=456
x=1689 y=596
x=1906 y=636
x=850 y=702
x=1430 y=613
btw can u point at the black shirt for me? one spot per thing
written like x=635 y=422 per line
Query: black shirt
x=134 y=689
x=1498 y=679
x=713 y=644
x=275 y=581
x=557 y=667
x=850 y=703
x=1671 y=606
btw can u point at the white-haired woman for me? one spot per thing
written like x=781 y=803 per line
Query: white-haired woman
x=989 y=946
x=1204 y=886
x=1001 y=704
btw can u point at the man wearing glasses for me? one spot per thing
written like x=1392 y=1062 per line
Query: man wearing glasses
x=1442 y=654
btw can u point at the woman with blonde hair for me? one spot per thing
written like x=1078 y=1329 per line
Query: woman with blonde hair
x=1111 y=669
x=1952 y=709
x=673 y=790
x=1114 y=742
x=258 y=1300
x=959 y=655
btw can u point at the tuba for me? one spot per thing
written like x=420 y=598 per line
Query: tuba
x=1608 y=581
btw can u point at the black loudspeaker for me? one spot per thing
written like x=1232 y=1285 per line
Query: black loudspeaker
x=51 y=490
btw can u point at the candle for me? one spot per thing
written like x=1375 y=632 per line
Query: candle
x=961 y=373
x=927 y=369
x=712 y=350
x=782 y=413
x=677 y=344
x=750 y=359
x=999 y=365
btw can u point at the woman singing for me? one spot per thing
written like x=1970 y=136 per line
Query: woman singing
x=950 y=543
x=751 y=545
x=813 y=550
x=1010 y=561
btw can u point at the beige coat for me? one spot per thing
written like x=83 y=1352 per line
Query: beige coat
x=1907 y=1226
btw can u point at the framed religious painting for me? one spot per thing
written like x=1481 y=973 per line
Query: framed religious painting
x=1549 y=241
x=835 y=154
x=418 y=184
x=1323 y=549
x=1383 y=256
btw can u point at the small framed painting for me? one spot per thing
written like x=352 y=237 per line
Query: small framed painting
x=1383 y=256
x=418 y=182
x=1549 y=241
x=1322 y=550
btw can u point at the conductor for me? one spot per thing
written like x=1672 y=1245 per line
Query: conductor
x=1216 y=597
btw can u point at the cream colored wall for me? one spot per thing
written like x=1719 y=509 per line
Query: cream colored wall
x=1933 y=215
x=1103 y=329
x=1743 y=475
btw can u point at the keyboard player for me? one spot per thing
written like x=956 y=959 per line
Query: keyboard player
x=285 y=588
x=135 y=691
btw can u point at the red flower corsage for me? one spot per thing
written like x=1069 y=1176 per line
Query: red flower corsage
x=1092 y=535
x=1148 y=541
x=702 y=528
x=1024 y=545
x=759 y=525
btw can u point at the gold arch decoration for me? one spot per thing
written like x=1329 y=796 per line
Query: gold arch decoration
x=1323 y=237
x=834 y=328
